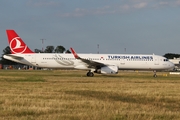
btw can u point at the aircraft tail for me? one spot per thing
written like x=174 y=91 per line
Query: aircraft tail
x=16 y=44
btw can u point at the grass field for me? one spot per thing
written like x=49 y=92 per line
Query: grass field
x=70 y=95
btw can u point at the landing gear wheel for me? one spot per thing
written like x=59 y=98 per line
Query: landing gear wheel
x=90 y=74
x=154 y=74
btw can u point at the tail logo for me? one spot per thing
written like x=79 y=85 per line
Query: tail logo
x=17 y=46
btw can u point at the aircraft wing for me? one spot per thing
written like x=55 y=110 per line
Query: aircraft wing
x=90 y=63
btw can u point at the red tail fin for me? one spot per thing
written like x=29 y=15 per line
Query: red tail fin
x=16 y=44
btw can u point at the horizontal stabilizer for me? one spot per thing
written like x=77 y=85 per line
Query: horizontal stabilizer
x=15 y=56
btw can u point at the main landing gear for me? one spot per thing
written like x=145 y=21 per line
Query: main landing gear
x=90 y=74
x=155 y=75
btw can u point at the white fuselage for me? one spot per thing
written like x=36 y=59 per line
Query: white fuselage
x=122 y=61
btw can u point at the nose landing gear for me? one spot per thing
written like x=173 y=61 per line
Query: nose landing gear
x=155 y=75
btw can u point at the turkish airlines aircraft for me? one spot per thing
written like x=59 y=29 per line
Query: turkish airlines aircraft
x=97 y=63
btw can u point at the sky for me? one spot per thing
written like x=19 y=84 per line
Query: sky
x=117 y=26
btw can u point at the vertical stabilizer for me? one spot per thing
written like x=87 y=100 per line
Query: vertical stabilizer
x=16 y=44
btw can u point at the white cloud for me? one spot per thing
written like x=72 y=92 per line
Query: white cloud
x=178 y=2
x=78 y=12
x=166 y=3
x=125 y=7
x=128 y=5
x=140 y=5
x=163 y=3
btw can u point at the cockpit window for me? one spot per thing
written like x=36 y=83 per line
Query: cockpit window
x=166 y=60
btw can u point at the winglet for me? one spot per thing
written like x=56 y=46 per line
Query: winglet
x=16 y=44
x=74 y=53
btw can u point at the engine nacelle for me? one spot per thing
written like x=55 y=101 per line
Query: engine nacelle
x=82 y=67
x=111 y=69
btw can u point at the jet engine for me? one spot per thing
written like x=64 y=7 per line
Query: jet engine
x=110 y=69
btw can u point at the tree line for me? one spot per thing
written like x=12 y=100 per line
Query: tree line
x=51 y=49
x=171 y=55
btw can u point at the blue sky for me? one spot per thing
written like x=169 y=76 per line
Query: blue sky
x=139 y=26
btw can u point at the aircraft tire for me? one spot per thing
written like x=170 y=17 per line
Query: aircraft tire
x=155 y=75
x=90 y=74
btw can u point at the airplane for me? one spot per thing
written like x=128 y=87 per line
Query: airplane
x=95 y=63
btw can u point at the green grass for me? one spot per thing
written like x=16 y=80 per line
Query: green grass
x=69 y=94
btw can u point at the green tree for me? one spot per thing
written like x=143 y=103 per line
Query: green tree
x=68 y=51
x=60 y=49
x=171 y=55
x=49 y=49
x=38 y=51
x=6 y=51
